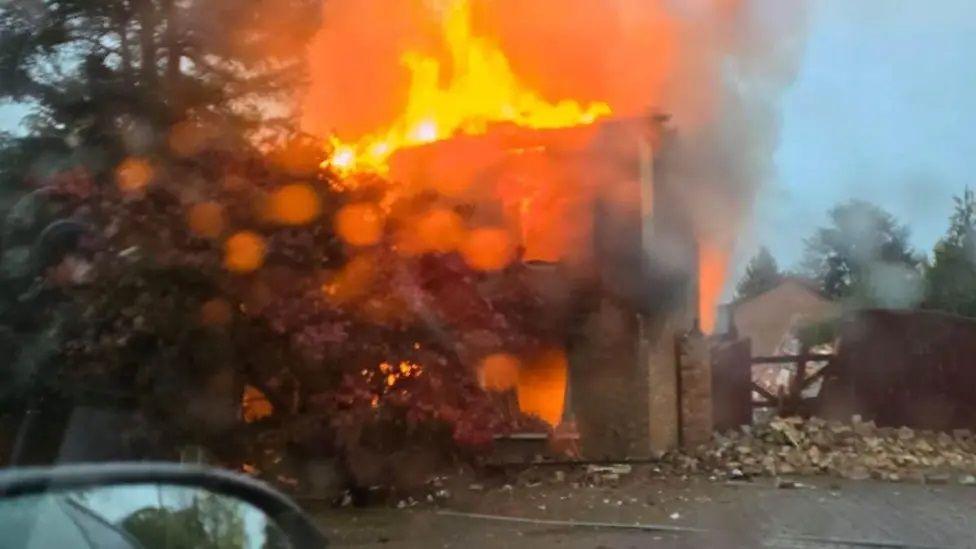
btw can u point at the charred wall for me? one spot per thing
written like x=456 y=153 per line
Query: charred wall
x=622 y=359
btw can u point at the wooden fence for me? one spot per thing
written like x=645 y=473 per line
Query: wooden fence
x=913 y=368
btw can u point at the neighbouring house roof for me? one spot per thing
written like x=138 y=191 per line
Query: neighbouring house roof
x=809 y=284
x=770 y=315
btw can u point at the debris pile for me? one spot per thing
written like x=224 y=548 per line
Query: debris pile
x=604 y=475
x=856 y=450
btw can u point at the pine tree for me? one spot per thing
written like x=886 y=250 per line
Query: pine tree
x=762 y=274
x=119 y=73
x=951 y=279
x=864 y=255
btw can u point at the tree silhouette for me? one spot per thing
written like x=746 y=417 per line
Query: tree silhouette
x=210 y=522
x=86 y=66
x=951 y=279
x=762 y=274
x=863 y=254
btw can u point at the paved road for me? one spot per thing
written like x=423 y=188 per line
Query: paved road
x=827 y=514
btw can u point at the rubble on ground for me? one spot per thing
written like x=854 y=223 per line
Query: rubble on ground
x=856 y=450
x=774 y=453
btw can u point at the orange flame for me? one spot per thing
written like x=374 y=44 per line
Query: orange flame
x=483 y=89
x=542 y=385
x=255 y=405
x=488 y=249
x=713 y=269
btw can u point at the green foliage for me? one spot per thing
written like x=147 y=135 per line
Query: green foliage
x=211 y=522
x=950 y=282
x=863 y=255
x=24 y=160
x=103 y=72
x=762 y=274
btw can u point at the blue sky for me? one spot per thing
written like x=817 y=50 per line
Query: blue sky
x=10 y=117
x=884 y=109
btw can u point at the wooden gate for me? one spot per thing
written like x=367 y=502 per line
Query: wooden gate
x=791 y=400
x=733 y=385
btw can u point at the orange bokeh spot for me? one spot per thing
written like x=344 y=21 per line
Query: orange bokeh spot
x=488 y=249
x=295 y=204
x=353 y=281
x=439 y=230
x=133 y=174
x=499 y=372
x=206 y=219
x=216 y=312
x=542 y=385
x=360 y=224
x=244 y=252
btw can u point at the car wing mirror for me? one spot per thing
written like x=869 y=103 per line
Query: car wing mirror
x=147 y=506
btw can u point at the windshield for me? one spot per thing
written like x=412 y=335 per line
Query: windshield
x=550 y=266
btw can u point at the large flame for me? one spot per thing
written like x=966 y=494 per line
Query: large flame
x=482 y=89
x=389 y=75
x=713 y=269
x=542 y=385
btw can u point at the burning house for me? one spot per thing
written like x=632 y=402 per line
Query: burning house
x=586 y=197
x=596 y=219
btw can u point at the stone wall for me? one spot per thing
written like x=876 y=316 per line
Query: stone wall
x=609 y=399
x=658 y=342
x=695 y=390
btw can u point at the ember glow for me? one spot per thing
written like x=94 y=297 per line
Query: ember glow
x=482 y=89
x=255 y=405
x=388 y=374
